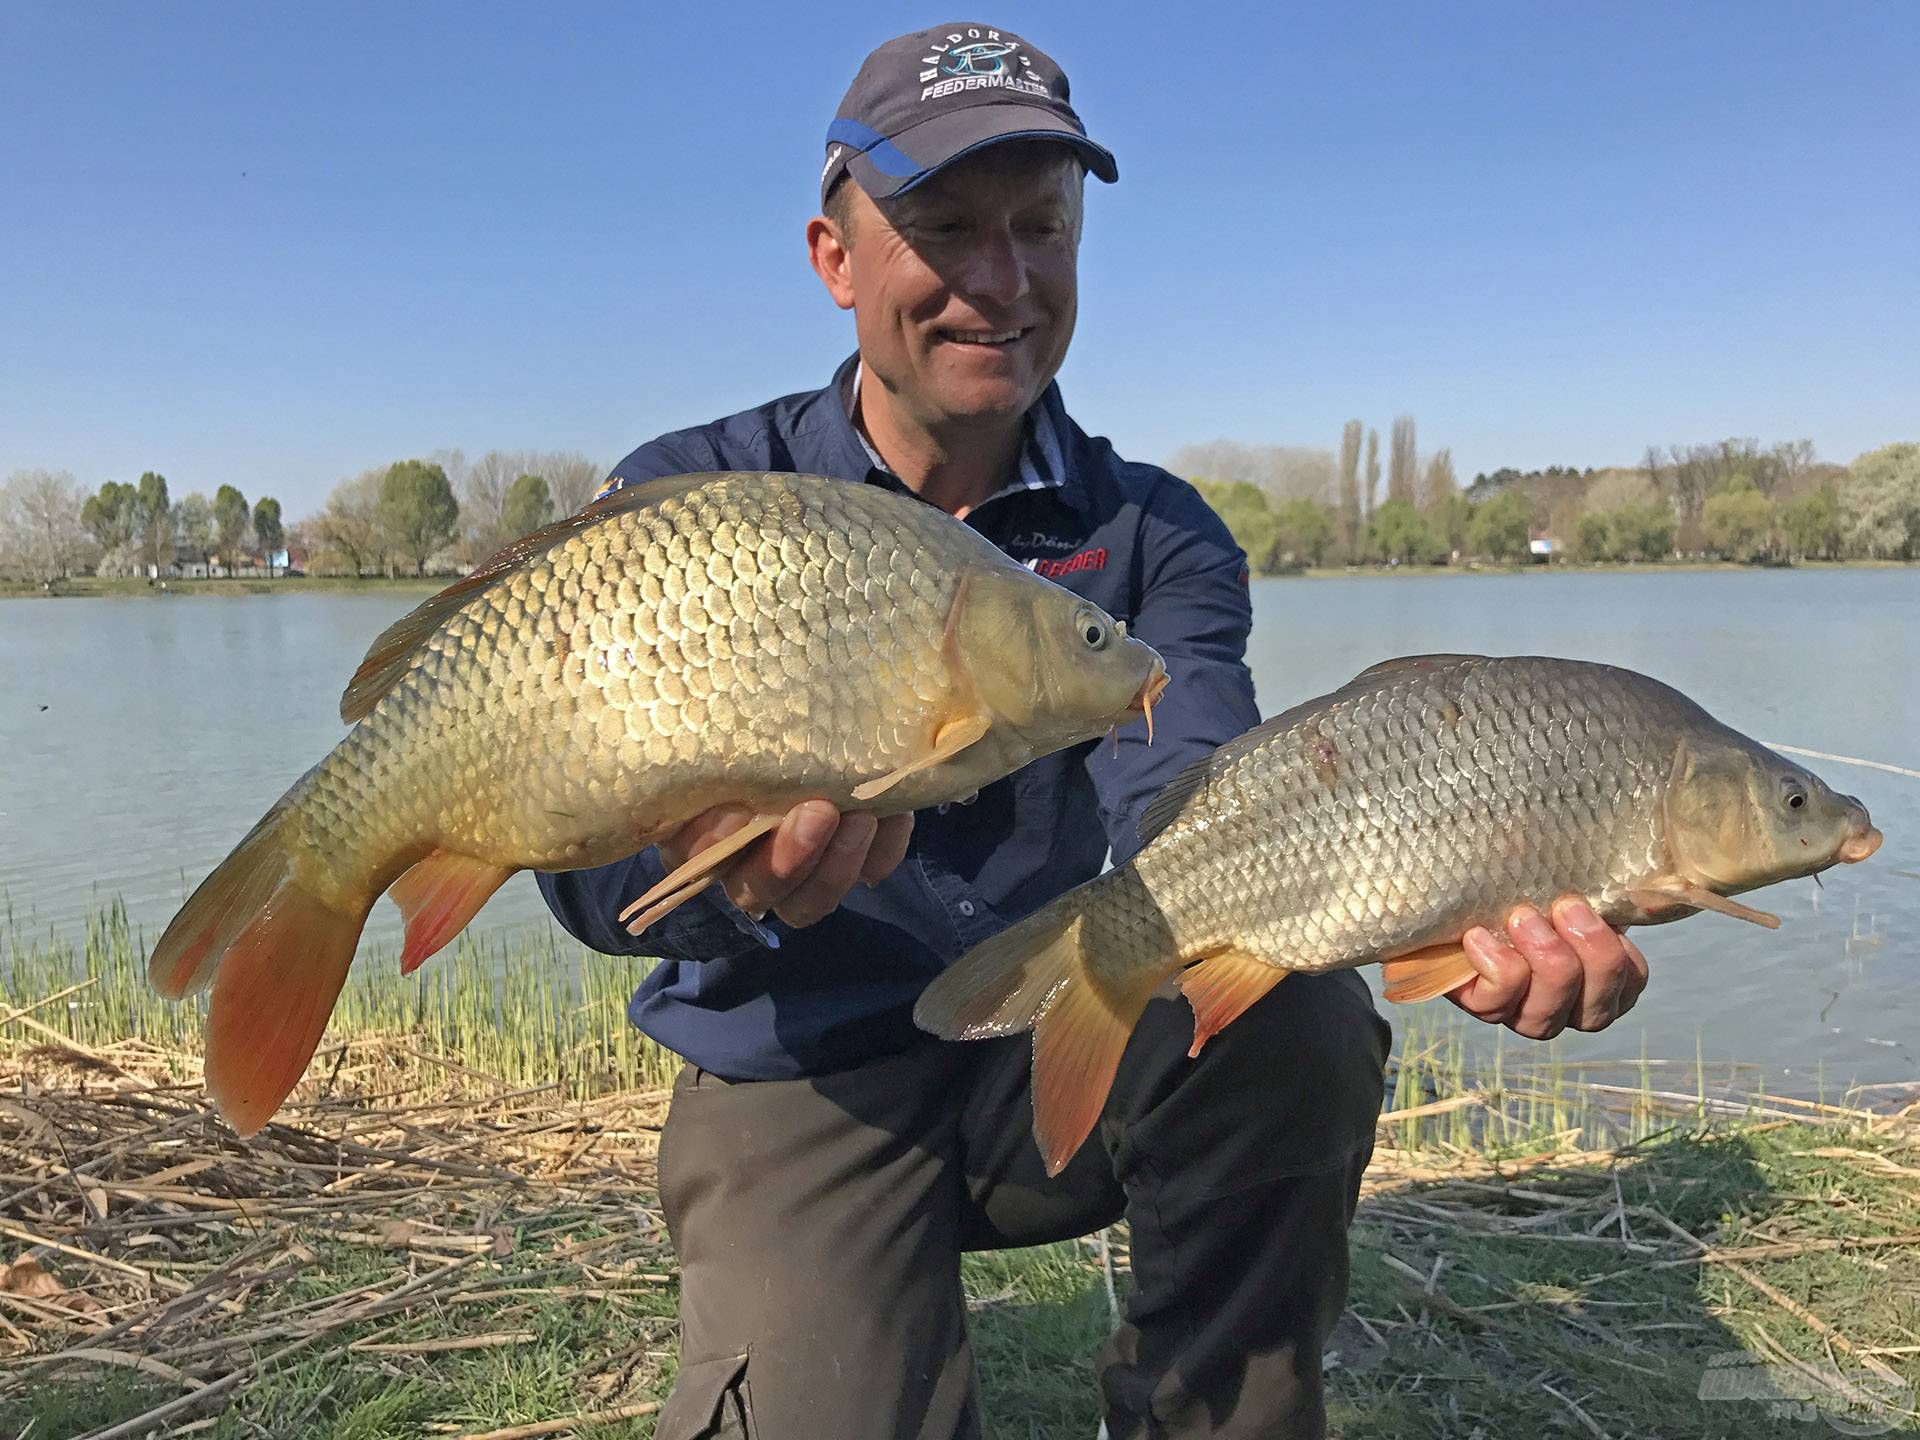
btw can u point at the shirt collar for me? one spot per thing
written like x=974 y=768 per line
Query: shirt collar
x=1043 y=462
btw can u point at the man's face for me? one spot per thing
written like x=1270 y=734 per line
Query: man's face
x=965 y=289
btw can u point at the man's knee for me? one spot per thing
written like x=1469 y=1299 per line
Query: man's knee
x=1291 y=1087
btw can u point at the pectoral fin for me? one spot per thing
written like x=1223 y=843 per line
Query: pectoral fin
x=694 y=876
x=1665 y=894
x=1222 y=988
x=954 y=736
x=1427 y=973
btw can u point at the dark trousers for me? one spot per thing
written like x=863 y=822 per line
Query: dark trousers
x=819 y=1225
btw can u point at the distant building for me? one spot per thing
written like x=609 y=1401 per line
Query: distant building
x=1542 y=550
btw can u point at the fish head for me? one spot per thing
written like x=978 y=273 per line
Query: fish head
x=1739 y=817
x=1048 y=664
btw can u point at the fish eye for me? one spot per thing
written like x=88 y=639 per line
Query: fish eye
x=1793 y=794
x=1093 y=630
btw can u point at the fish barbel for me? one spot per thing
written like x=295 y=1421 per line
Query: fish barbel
x=752 y=639
x=1381 y=822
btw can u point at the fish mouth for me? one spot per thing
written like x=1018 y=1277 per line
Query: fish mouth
x=1859 y=846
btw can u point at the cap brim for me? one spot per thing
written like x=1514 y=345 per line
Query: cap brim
x=917 y=153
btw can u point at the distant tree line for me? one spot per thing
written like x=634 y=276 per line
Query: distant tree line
x=1288 y=507
x=418 y=516
x=1734 y=500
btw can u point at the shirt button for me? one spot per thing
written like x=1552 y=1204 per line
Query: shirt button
x=966 y=908
x=942 y=808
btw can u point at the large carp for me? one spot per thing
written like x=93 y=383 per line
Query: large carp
x=1381 y=822
x=707 y=639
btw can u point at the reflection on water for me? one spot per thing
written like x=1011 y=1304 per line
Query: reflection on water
x=139 y=739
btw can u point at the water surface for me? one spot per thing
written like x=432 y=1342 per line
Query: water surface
x=141 y=737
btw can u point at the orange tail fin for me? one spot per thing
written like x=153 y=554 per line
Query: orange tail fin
x=276 y=954
x=1035 y=975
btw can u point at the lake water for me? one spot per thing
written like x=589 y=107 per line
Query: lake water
x=140 y=738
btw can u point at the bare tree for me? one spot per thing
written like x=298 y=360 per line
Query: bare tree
x=572 y=479
x=1370 y=490
x=1439 y=485
x=1402 y=462
x=1350 y=487
x=483 y=492
x=1284 y=472
x=41 y=536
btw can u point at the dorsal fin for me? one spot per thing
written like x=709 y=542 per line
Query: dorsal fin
x=390 y=655
x=1413 y=662
x=1174 y=795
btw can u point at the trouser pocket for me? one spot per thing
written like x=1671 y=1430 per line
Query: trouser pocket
x=710 y=1401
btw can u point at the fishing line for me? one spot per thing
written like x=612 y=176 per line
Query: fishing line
x=1844 y=759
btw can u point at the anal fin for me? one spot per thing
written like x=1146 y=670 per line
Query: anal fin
x=695 y=875
x=438 y=896
x=1426 y=973
x=1222 y=988
x=954 y=736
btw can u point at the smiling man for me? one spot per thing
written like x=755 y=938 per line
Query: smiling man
x=824 y=1165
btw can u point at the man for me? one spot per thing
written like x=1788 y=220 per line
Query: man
x=824 y=1164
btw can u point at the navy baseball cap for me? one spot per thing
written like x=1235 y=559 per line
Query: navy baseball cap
x=923 y=100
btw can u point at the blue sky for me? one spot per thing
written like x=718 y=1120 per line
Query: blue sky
x=273 y=245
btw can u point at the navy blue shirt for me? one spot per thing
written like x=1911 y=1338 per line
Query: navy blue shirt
x=765 y=1001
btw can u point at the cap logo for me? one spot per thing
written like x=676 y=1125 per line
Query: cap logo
x=834 y=152
x=979 y=57
x=976 y=59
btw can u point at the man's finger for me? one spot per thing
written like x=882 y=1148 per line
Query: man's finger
x=1495 y=994
x=889 y=848
x=1553 y=994
x=769 y=870
x=1603 y=961
x=816 y=897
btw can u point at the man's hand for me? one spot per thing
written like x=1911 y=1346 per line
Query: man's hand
x=1544 y=976
x=804 y=869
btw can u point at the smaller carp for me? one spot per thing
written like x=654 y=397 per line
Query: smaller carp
x=1380 y=823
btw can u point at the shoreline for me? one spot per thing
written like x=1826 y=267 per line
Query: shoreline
x=91 y=587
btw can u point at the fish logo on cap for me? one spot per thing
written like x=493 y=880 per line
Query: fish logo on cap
x=982 y=57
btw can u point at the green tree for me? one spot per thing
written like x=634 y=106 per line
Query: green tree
x=1401 y=533
x=230 y=522
x=1243 y=505
x=1811 y=523
x=193 y=525
x=416 y=512
x=1738 y=521
x=267 y=528
x=1593 y=536
x=154 y=528
x=1880 y=503
x=112 y=517
x=1643 y=530
x=1303 y=532
x=528 y=506
x=1501 y=526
